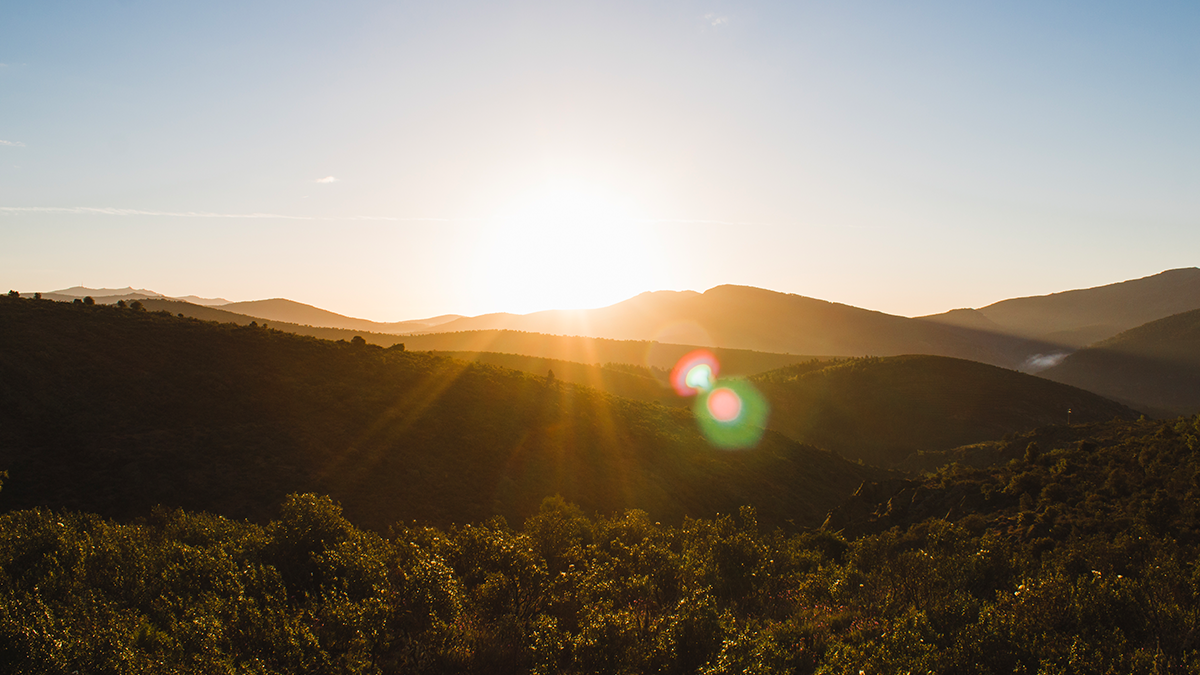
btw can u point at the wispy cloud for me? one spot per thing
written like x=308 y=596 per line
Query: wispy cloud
x=106 y=211
x=1039 y=362
x=715 y=19
x=327 y=179
x=15 y=144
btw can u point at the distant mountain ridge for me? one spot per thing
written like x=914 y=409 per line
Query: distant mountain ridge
x=744 y=317
x=1076 y=318
x=1028 y=334
x=110 y=296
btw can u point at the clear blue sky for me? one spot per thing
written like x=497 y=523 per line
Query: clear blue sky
x=515 y=156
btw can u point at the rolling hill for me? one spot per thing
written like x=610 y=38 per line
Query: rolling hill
x=881 y=410
x=559 y=347
x=1154 y=367
x=742 y=317
x=1077 y=318
x=114 y=410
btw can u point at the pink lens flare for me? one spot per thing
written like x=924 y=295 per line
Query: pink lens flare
x=695 y=372
x=724 y=405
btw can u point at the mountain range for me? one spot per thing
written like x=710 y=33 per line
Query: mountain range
x=1074 y=319
x=1031 y=334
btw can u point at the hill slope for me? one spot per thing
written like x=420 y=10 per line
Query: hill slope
x=881 y=410
x=112 y=411
x=1080 y=317
x=1155 y=367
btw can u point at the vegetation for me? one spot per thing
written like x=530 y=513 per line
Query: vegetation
x=112 y=411
x=1080 y=558
x=881 y=410
x=1065 y=549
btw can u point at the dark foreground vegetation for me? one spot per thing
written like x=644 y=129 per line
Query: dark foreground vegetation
x=1075 y=558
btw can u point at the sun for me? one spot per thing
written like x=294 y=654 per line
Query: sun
x=566 y=245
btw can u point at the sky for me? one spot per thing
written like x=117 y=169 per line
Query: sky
x=397 y=160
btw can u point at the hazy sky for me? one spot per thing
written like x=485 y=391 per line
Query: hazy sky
x=401 y=160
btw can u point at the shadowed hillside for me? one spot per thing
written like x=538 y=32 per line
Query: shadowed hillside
x=114 y=410
x=881 y=410
x=1155 y=367
x=1080 y=317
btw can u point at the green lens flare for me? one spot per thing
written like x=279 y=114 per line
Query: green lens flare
x=732 y=415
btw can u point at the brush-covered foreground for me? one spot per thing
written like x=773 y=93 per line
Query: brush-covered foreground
x=1078 y=559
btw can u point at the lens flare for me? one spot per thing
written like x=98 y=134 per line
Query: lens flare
x=696 y=372
x=724 y=405
x=733 y=415
x=700 y=378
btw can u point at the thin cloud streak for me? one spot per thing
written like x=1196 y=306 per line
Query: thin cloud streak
x=15 y=144
x=109 y=211
x=327 y=179
x=99 y=211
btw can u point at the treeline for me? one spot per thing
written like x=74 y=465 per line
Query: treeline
x=1076 y=578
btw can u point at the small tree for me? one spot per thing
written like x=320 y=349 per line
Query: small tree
x=37 y=296
x=87 y=300
x=121 y=304
x=14 y=294
x=137 y=306
x=358 y=341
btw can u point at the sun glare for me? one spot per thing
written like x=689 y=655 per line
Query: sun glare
x=566 y=245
